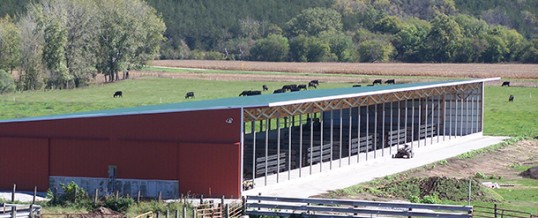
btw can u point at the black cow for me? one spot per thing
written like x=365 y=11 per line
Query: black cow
x=312 y=84
x=264 y=87
x=289 y=87
x=118 y=94
x=189 y=95
x=356 y=85
x=295 y=89
x=390 y=82
x=301 y=87
x=511 y=98
x=377 y=81
x=249 y=93
x=279 y=91
x=506 y=83
x=315 y=82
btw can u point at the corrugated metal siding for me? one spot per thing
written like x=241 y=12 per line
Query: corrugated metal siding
x=24 y=162
x=197 y=148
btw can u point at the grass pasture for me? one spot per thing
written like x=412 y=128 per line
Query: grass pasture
x=136 y=92
x=518 y=118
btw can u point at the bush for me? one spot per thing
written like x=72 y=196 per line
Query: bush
x=430 y=199
x=6 y=82
x=479 y=175
x=72 y=195
x=121 y=204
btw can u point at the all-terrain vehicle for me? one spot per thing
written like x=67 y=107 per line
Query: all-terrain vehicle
x=405 y=152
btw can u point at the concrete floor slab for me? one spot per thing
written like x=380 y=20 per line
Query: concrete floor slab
x=345 y=175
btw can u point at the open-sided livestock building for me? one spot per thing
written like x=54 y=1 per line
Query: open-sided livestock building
x=213 y=147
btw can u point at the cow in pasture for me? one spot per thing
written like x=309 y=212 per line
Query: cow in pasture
x=511 y=98
x=295 y=89
x=312 y=84
x=118 y=94
x=377 y=81
x=189 y=95
x=265 y=88
x=279 y=91
x=356 y=85
x=315 y=82
x=289 y=87
x=249 y=93
x=390 y=82
x=302 y=87
x=506 y=83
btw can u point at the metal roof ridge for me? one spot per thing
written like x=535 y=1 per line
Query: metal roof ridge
x=282 y=103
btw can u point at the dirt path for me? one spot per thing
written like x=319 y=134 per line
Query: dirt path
x=496 y=163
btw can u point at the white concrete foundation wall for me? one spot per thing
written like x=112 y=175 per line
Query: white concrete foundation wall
x=148 y=188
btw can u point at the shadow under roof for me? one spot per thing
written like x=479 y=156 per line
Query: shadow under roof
x=265 y=100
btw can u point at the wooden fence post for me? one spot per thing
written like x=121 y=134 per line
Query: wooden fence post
x=227 y=211
x=13 y=193
x=160 y=196
x=35 y=194
x=167 y=213
x=96 y=198
x=193 y=212
x=222 y=201
x=138 y=197
x=184 y=211
x=201 y=199
x=244 y=204
x=495 y=210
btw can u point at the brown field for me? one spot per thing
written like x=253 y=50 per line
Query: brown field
x=506 y=71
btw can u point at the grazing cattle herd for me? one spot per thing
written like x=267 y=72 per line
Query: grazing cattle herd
x=295 y=88
x=286 y=88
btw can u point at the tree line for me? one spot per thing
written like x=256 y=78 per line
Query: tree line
x=65 y=43
x=351 y=30
x=61 y=44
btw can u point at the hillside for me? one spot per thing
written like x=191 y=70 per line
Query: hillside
x=459 y=31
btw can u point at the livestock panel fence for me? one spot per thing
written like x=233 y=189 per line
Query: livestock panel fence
x=314 y=207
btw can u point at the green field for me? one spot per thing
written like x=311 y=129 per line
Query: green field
x=518 y=118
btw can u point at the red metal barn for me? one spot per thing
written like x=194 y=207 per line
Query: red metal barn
x=213 y=147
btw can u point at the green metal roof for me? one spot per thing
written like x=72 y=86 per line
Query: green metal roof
x=266 y=100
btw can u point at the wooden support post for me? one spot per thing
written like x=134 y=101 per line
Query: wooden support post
x=193 y=212
x=227 y=211
x=184 y=211
x=138 y=197
x=167 y=213
x=201 y=199
x=222 y=201
x=160 y=196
